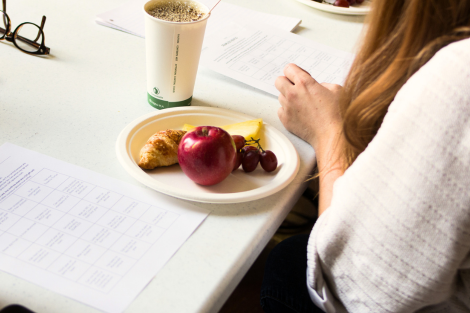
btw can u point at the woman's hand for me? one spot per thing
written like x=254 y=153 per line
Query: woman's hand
x=311 y=111
x=308 y=109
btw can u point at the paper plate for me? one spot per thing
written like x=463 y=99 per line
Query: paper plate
x=238 y=187
x=360 y=9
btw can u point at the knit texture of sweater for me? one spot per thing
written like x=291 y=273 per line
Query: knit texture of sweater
x=396 y=237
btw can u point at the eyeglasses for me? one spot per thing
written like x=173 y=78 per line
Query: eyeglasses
x=28 y=37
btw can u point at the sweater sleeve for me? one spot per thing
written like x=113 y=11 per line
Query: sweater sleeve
x=396 y=237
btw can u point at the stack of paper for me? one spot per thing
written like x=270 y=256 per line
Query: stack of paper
x=130 y=17
x=249 y=46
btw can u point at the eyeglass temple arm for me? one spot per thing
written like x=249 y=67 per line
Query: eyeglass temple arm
x=42 y=26
x=4 y=5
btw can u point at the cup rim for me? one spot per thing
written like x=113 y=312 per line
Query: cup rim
x=180 y=23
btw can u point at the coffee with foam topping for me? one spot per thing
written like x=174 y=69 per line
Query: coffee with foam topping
x=177 y=11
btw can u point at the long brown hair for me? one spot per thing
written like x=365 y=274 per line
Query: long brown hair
x=402 y=35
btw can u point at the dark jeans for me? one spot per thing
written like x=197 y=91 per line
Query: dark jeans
x=284 y=286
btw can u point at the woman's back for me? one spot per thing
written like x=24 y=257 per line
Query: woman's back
x=396 y=237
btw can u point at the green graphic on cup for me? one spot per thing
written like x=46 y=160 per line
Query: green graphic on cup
x=172 y=57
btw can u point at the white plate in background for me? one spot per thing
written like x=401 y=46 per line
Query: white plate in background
x=238 y=187
x=359 y=9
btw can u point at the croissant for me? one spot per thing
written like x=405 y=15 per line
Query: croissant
x=161 y=149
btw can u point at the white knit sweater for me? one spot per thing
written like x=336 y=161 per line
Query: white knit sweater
x=396 y=237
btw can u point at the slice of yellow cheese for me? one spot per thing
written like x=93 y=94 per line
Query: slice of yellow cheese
x=246 y=129
x=188 y=127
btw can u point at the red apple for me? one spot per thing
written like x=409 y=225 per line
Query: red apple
x=207 y=154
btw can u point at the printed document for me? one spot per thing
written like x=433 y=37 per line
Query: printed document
x=256 y=55
x=82 y=234
x=130 y=17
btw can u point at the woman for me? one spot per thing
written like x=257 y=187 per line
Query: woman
x=393 y=154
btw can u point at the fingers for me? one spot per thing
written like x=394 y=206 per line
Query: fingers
x=294 y=76
x=297 y=75
x=282 y=84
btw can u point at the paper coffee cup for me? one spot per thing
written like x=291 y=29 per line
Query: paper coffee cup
x=172 y=51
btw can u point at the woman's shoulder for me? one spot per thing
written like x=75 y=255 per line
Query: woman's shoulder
x=433 y=106
x=443 y=82
x=451 y=61
x=457 y=48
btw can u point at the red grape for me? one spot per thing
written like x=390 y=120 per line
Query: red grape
x=238 y=160
x=250 y=160
x=268 y=160
x=352 y=2
x=248 y=148
x=239 y=141
x=359 y=1
x=341 y=3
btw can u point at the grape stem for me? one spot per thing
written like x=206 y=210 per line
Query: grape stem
x=254 y=141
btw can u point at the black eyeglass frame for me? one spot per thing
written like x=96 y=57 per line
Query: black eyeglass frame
x=12 y=37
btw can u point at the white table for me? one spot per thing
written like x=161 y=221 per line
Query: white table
x=73 y=104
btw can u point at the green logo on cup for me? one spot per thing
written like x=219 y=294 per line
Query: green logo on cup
x=156 y=90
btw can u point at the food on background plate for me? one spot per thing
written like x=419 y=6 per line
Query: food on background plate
x=206 y=155
x=161 y=149
x=341 y=3
x=246 y=129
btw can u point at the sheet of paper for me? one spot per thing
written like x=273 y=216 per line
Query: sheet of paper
x=82 y=234
x=257 y=56
x=130 y=17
